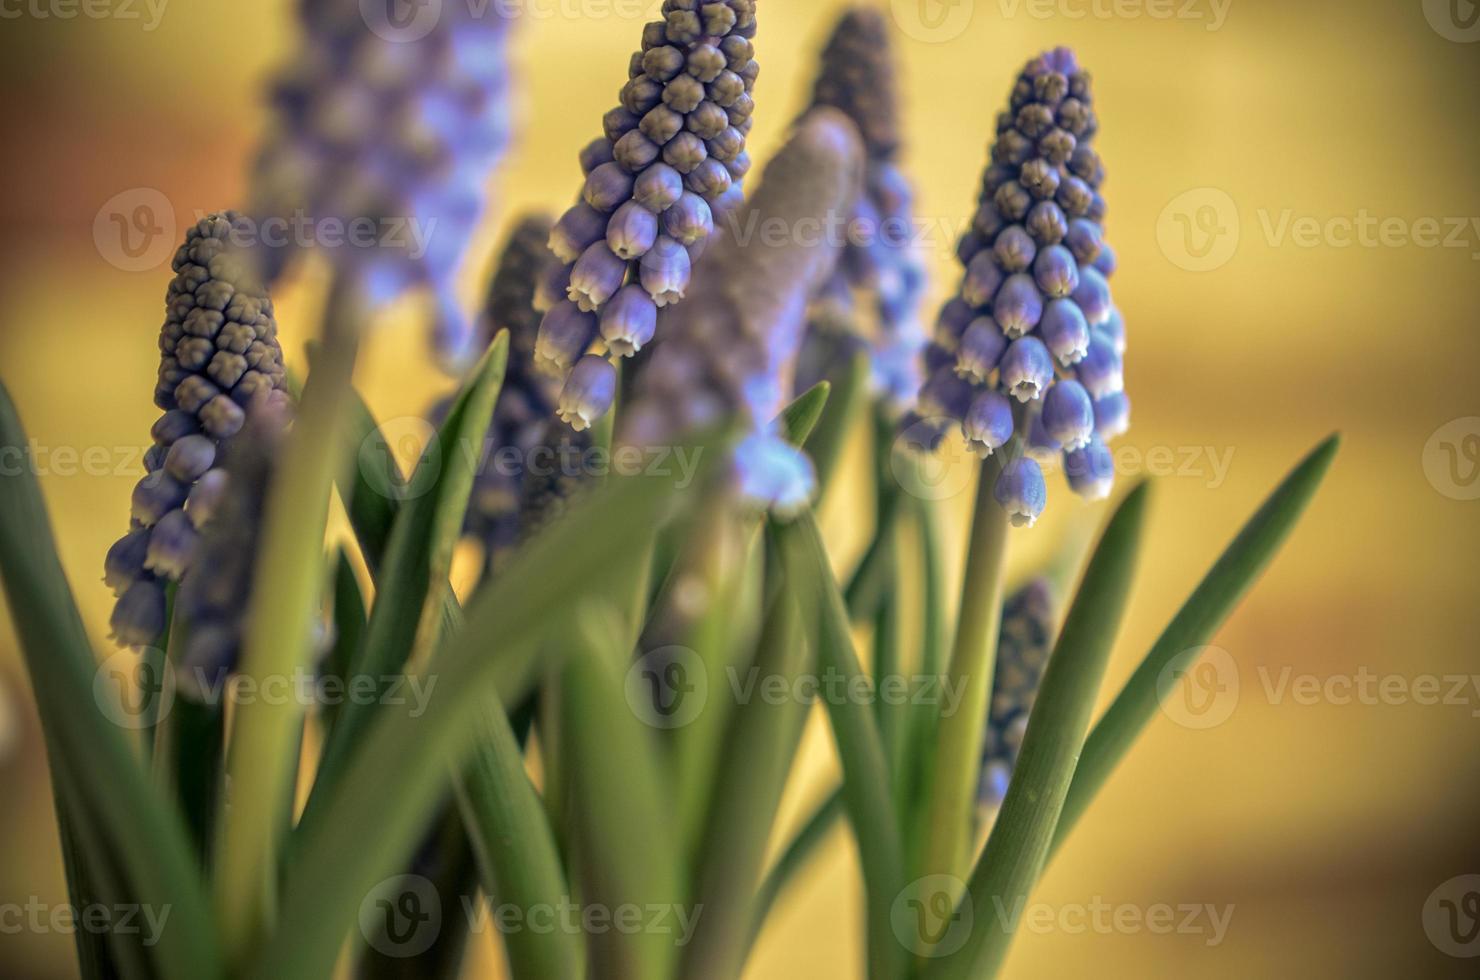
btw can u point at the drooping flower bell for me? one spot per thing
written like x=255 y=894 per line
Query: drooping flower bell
x=214 y=600
x=667 y=168
x=874 y=296
x=1024 y=643
x=381 y=140
x=1034 y=320
x=219 y=358
x=730 y=352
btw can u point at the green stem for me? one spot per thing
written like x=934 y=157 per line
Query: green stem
x=265 y=732
x=947 y=820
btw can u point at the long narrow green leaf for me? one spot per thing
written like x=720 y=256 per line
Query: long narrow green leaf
x=866 y=782
x=754 y=762
x=412 y=580
x=800 y=417
x=1196 y=622
x=976 y=939
x=371 y=819
x=115 y=805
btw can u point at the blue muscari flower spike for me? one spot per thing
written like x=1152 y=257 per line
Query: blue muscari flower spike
x=881 y=264
x=1024 y=642
x=219 y=359
x=391 y=130
x=660 y=178
x=730 y=352
x=1035 y=267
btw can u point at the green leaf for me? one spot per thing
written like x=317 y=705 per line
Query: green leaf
x=112 y=806
x=1019 y=842
x=866 y=782
x=370 y=820
x=1196 y=622
x=800 y=417
x=759 y=745
x=412 y=584
x=621 y=804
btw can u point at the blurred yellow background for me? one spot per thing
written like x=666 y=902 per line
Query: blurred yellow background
x=1258 y=324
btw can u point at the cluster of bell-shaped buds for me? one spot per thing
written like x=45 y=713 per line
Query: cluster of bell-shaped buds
x=518 y=452
x=882 y=269
x=214 y=599
x=671 y=160
x=383 y=133
x=730 y=353
x=1023 y=646
x=220 y=357
x=1033 y=322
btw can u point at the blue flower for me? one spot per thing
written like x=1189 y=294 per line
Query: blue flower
x=1069 y=415
x=589 y=391
x=1021 y=491
x=1024 y=642
x=1090 y=469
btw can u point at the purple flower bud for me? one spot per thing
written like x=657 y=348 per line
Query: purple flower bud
x=577 y=230
x=597 y=152
x=189 y=458
x=774 y=474
x=1021 y=492
x=665 y=271
x=1093 y=296
x=1068 y=414
x=588 y=392
x=988 y=423
x=1027 y=369
x=709 y=179
x=981 y=348
x=951 y=324
x=596 y=278
x=1018 y=306
x=138 y=617
x=685 y=152
x=631 y=231
x=552 y=283
x=1101 y=371
x=944 y=394
x=922 y=435
x=171 y=546
x=1090 y=470
x=125 y=562
x=173 y=426
x=983 y=279
x=635 y=151
x=1014 y=249
x=155 y=496
x=1047 y=224
x=1085 y=240
x=205 y=497
x=689 y=220
x=1113 y=330
x=607 y=187
x=1105 y=261
x=1064 y=331
x=658 y=187
x=739 y=167
x=1056 y=272
x=1112 y=415
x=565 y=333
x=629 y=321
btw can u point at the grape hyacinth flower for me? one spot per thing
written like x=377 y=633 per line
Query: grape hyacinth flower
x=881 y=268
x=214 y=600
x=381 y=142
x=731 y=351
x=1034 y=319
x=219 y=358
x=1025 y=638
x=668 y=165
